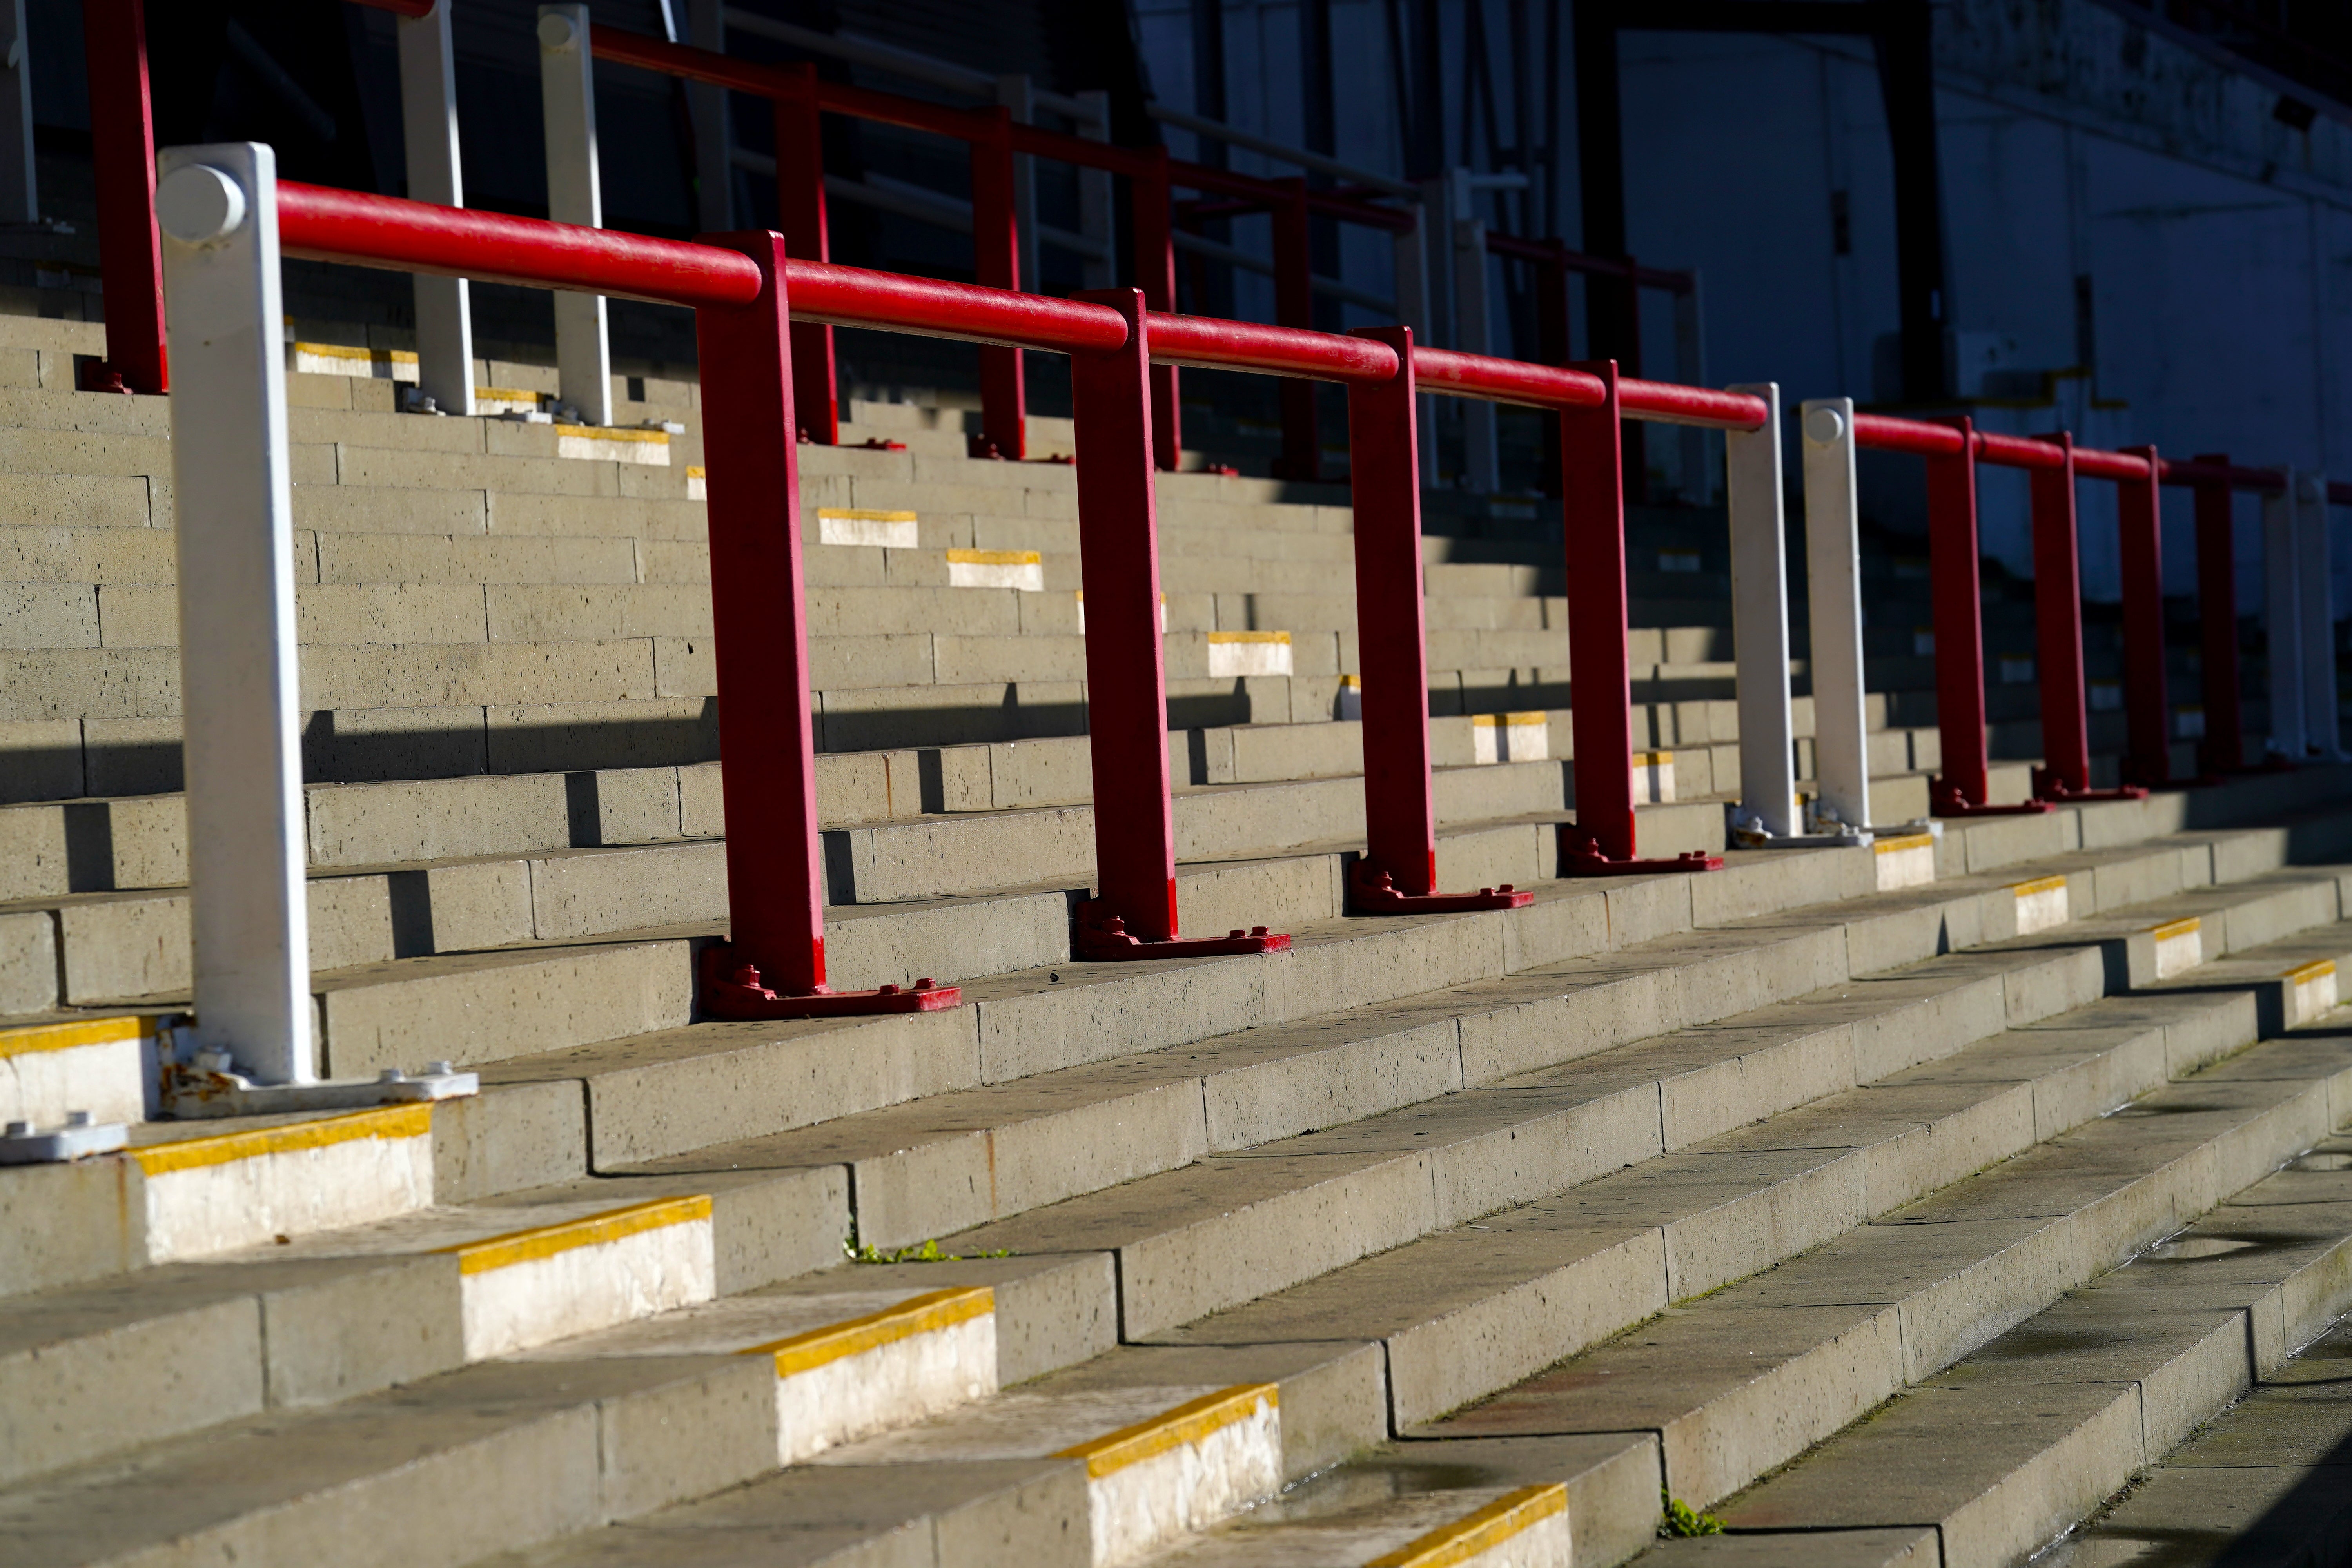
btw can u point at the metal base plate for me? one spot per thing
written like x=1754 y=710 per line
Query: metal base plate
x=1581 y=856
x=1371 y=892
x=1101 y=937
x=24 y=1144
x=1944 y=800
x=206 y=1091
x=731 y=991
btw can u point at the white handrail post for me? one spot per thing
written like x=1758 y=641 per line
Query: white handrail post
x=1016 y=93
x=2282 y=617
x=2315 y=613
x=216 y=208
x=1834 y=602
x=428 y=114
x=714 y=134
x=567 y=86
x=1098 y=204
x=1760 y=619
x=20 y=188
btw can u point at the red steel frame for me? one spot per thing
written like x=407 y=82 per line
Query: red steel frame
x=748 y=300
x=1952 y=451
x=801 y=97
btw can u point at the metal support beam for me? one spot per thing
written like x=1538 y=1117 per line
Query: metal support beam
x=2282 y=620
x=1133 y=912
x=240 y=687
x=122 y=140
x=1833 y=599
x=2222 y=748
x=2315 y=612
x=429 y=118
x=2147 y=701
x=20 y=186
x=1398 y=873
x=1760 y=620
x=567 y=84
x=772 y=965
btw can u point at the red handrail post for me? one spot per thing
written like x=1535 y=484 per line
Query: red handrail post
x=1953 y=581
x=1592 y=518
x=800 y=211
x=2147 y=703
x=1133 y=911
x=1152 y=231
x=1293 y=306
x=122 y=147
x=1398 y=872
x=2065 y=771
x=773 y=966
x=996 y=264
x=2223 y=748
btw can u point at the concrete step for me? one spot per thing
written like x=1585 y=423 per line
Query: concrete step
x=1331 y=1398
x=330 y=1247
x=1749 y=1378
x=2262 y=1482
x=1211 y=1237
x=2160 y=1346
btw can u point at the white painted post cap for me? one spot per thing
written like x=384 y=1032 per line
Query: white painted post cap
x=1824 y=425
x=199 y=205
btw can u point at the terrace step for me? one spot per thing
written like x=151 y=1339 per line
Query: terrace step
x=1329 y=1396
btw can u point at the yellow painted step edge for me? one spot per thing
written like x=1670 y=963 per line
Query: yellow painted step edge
x=2303 y=974
x=917 y=1315
x=695 y=472
x=1249 y=637
x=1480 y=1532
x=1654 y=759
x=1903 y=841
x=1509 y=721
x=611 y=432
x=2039 y=885
x=2187 y=925
x=221 y=1149
x=855 y=515
x=962 y=557
x=344 y=351
x=66 y=1035
x=547 y=1241
x=1188 y=1423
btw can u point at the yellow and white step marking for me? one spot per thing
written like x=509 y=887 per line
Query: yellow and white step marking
x=1079 y=595
x=880 y=530
x=97 y=1065
x=1472 y=1527
x=507 y=400
x=1162 y=1463
x=1022 y=569
x=698 y=484
x=1233 y=654
x=1654 y=778
x=648 y=448
x=2041 y=905
x=209 y=1194
x=849 y=1363
x=338 y=358
x=2179 y=946
x=1525 y=1529
x=2310 y=991
x=1509 y=737
x=903 y=1364
x=1351 y=698
x=1905 y=861
x=547 y=1282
